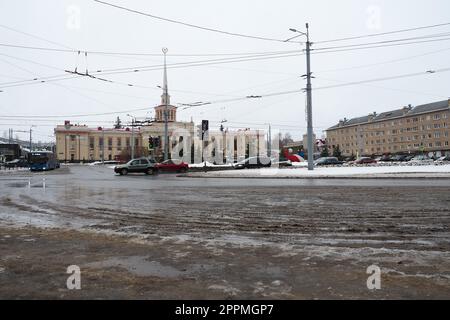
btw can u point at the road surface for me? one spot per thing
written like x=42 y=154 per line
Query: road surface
x=167 y=237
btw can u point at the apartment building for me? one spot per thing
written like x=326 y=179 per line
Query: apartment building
x=424 y=128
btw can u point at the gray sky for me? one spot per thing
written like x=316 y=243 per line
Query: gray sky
x=91 y=26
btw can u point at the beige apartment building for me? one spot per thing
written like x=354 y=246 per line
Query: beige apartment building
x=424 y=128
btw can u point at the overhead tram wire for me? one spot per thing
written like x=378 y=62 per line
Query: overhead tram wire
x=36 y=37
x=438 y=35
x=193 y=25
x=201 y=103
x=384 y=33
x=384 y=62
x=9 y=45
x=147 y=68
x=326 y=50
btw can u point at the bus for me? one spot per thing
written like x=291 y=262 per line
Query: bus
x=42 y=161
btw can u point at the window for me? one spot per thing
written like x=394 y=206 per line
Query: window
x=437 y=134
x=144 y=161
x=91 y=142
x=110 y=140
x=437 y=125
x=437 y=117
x=72 y=138
x=100 y=142
x=127 y=142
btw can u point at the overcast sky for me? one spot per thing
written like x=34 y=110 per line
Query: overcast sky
x=91 y=26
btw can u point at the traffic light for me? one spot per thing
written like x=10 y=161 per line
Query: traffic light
x=205 y=128
x=156 y=142
x=150 y=142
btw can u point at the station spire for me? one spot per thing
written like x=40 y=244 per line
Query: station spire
x=165 y=97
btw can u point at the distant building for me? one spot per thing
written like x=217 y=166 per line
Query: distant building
x=10 y=152
x=423 y=128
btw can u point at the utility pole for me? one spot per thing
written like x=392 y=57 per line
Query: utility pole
x=310 y=144
x=103 y=146
x=309 y=102
x=133 y=123
x=31 y=145
x=166 y=109
x=270 y=142
x=132 y=138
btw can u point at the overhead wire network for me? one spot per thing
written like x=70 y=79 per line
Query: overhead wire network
x=245 y=57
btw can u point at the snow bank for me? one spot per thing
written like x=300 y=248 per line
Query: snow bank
x=298 y=171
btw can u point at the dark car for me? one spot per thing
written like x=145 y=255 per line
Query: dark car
x=254 y=163
x=327 y=161
x=399 y=158
x=172 y=165
x=17 y=163
x=364 y=160
x=385 y=158
x=142 y=165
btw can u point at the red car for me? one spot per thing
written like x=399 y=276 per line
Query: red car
x=365 y=160
x=172 y=165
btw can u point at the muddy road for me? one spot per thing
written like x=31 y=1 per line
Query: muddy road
x=167 y=237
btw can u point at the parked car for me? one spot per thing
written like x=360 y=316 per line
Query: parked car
x=399 y=158
x=327 y=161
x=385 y=158
x=172 y=165
x=409 y=157
x=444 y=159
x=254 y=162
x=142 y=165
x=364 y=160
x=421 y=159
x=16 y=163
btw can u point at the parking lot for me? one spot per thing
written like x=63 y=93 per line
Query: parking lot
x=164 y=236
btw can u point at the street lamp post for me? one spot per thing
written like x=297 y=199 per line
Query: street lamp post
x=31 y=144
x=132 y=135
x=166 y=109
x=308 y=97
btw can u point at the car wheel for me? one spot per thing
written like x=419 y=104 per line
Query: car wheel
x=183 y=170
x=123 y=172
x=149 y=171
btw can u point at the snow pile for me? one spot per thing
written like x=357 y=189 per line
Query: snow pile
x=209 y=165
x=333 y=171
